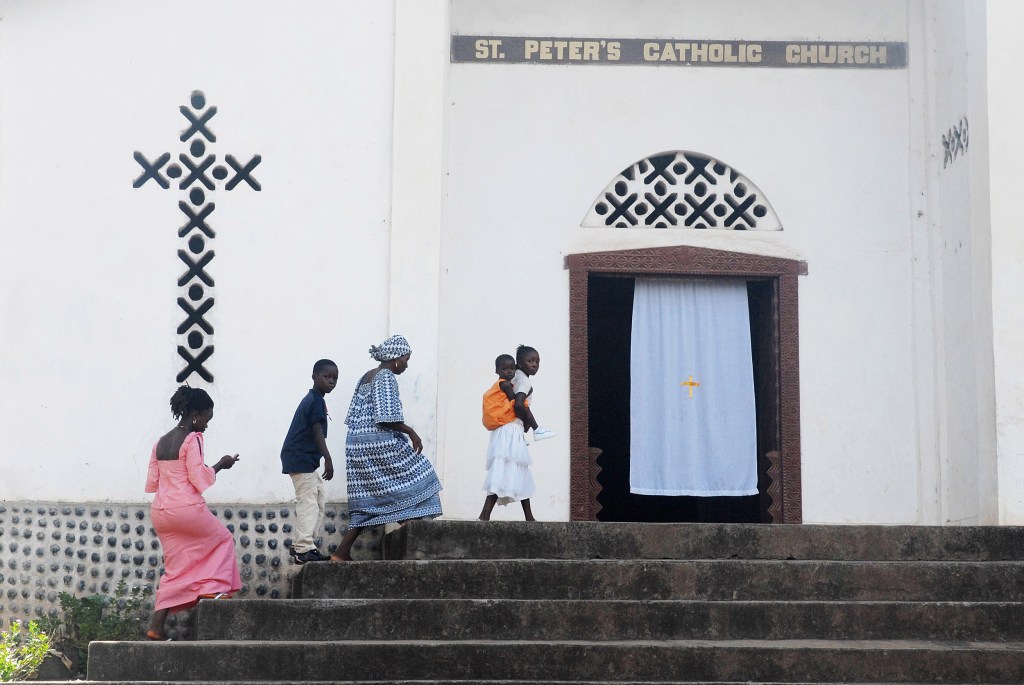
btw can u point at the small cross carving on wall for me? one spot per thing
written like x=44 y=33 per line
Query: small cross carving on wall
x=955 y=142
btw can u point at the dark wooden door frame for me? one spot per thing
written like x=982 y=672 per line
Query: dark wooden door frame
x=686 y=261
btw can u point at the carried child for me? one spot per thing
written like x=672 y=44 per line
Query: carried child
x=507 y=415
x=303 y=447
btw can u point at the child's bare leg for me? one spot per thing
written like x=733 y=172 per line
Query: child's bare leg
x=485 y=513
x=525 y=414
x=529 y=421
x=343 y=552
x=156 y=625
x=527 y=511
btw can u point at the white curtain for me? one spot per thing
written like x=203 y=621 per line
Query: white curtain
x=692 y=439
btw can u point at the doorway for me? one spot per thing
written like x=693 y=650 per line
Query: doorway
x=601 y=300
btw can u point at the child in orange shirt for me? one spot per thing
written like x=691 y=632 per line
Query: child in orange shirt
x=508 y=458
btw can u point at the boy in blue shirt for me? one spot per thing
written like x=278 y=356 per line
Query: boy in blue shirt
x=305 y=443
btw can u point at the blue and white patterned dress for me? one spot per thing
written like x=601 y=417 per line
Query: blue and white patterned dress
x=387 y=480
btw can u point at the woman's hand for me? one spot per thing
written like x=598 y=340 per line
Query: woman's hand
x=401 y=427
x=226 y=462
x=417 y=444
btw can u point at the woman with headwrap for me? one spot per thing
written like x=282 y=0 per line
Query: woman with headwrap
x=389 y=479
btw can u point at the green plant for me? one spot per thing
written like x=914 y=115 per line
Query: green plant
x=22 y=651
x=97 y=617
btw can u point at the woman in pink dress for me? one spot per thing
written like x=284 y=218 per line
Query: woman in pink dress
x=199 y=552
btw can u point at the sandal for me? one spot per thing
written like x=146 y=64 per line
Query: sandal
x=156 y=637
x=218 y=595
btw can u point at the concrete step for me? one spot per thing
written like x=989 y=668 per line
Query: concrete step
x=664 y=579
x=594 y=540
x=495 y=619
x=444 y=682
x=658 y=661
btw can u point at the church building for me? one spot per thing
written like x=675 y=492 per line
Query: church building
x=766 y=250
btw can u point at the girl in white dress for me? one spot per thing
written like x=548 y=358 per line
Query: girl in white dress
x=506 y=413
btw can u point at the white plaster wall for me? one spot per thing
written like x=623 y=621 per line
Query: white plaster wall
x=985 y=500
x=956 y=218
x=981 y=503
x=1006 y=108
x=532 y=146
x=88 y=268
x=418 y=182
x=345 y=115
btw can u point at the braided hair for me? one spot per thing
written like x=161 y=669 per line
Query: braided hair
x=187 y=400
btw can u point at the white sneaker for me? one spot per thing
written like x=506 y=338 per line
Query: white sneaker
x=543 y=433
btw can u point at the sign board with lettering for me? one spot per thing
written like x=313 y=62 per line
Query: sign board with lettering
x=678 y=52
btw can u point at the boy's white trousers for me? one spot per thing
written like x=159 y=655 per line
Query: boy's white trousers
x=310 y=502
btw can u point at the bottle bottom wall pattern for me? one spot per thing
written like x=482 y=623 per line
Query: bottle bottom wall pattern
x=87 y=548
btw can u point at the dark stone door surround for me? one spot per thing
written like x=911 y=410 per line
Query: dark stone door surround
x=686 y=261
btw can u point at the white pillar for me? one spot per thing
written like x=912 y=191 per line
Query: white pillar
x=418 y=172
x=926 y=286
x=1006 y=107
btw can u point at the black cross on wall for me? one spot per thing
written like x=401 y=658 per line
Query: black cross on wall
x=198 y=172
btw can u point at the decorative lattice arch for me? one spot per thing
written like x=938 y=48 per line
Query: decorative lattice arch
x=680 y=189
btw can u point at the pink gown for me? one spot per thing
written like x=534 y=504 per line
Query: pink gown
x=199 y=551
